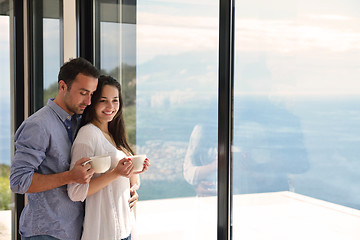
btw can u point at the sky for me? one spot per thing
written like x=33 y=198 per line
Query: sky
x=51 y=51
x=282 y=46
x=4 y=59
x=307 y=47
x=285 y=48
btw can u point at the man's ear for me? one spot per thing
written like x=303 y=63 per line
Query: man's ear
x=62 y=86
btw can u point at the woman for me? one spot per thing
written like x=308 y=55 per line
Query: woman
x=107 y=211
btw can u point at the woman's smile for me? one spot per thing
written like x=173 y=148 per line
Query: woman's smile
x=108 y=105
x=109 y=112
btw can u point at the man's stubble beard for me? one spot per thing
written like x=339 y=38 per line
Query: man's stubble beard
x=72 y=108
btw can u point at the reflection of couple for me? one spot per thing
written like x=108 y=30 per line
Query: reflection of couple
x=267 y=148
x=200 y=165
x=41 y=163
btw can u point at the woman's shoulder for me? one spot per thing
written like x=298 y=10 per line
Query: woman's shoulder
x=88 y=132
x=89 y=128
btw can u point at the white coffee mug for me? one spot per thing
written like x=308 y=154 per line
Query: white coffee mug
x=138 y=162
x=99 y=163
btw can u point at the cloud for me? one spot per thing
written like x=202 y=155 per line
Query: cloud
x=300 y=34
x=160 y=33
x=317 y=49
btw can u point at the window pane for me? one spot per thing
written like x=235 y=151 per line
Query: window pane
x=117 y=44
x=165 y=55
x=177 y=46
x=52 y=53
x=5 y=124
x=296 y=120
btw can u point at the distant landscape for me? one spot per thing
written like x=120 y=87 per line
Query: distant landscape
x=330 y=150
x=327 y=128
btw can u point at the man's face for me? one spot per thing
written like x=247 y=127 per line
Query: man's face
x=78 y=97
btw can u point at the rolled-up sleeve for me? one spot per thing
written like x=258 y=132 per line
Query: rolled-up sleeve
x=77 y=191
x=31 y=142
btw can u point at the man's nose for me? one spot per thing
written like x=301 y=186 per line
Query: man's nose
x=88 y=99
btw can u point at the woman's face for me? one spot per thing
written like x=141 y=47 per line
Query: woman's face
x=108 y=104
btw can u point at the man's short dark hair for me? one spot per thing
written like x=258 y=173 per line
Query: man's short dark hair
x=73 y=67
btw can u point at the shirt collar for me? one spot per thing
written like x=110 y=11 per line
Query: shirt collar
x=63 y=115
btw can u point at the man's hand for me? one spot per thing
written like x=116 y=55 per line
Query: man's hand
x=79 y=174
x=133 y=197
x=82 y=174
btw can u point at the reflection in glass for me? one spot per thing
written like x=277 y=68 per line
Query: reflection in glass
x=296 y=120
x=176 y=117
x=268 y=146
x=200 y=163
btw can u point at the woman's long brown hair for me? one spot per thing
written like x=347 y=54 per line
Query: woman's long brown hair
x=117 y=125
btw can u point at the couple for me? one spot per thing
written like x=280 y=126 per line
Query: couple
x=48 y=166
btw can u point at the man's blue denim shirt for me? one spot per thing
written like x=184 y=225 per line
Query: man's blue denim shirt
x=43 y=146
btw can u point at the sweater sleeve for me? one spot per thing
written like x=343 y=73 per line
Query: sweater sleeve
x=84 y=146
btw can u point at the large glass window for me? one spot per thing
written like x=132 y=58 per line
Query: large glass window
x=5 y=124
x=52 y=46
x=168 y=68
x=296 y=120
x=177 y=54
x=116 y=28
x=46 y=49
x=177 y=116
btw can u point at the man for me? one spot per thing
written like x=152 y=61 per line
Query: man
x=41 y=163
